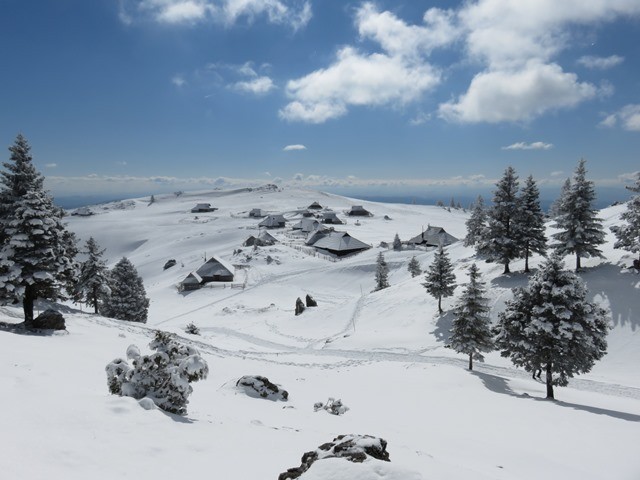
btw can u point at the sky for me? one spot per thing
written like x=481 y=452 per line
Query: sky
x=385 y=97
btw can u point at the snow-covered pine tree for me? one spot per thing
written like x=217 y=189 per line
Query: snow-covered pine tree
x=550 y=325
x=471 y=329
x=36 y=253
x=581 y=230
x=557 y=207
x=414 y=267
x=452 y=203
x=440 y=281
x=382 y=273
x=628 y=236
x=93 y=280
x=531 y=221
x=127 y=299
x=397 y=243
x=476 y=223
x=500 y=241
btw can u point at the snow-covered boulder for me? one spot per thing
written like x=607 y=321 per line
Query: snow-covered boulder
x=257 y=386
x=354 y=448
x=311 y=302
x=333 y=406
x=299 y=306
x=48 y=320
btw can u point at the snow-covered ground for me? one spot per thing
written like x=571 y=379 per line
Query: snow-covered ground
x=382 y=353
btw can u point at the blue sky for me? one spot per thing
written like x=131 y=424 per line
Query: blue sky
x=365 y=97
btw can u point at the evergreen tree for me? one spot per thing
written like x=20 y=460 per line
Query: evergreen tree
x=500 y=241
x=531 y=220
x=557 y=207
x=414 y=267
x=382 y=273
x=452 y=203
x=127 y=299
x=580 y=229
x=628 y=236
x=550 y=325
x=397 y=243
x=440 y=280
x=471 y=329
x=36 y=250
x=94 y=277
x=476 y=223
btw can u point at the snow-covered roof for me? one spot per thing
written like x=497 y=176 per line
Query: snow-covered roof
x=215 y=266
x=340 y=242
x=273 y=221
x=306 y=225
x=315 y=206
x=434 y=236
x=192 y=278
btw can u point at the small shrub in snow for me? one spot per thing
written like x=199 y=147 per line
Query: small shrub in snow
x=164 y=377
x=335 y=407
x=257 y=386
x=192 y=328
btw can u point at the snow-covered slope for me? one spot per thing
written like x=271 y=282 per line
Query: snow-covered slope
x=382 y=353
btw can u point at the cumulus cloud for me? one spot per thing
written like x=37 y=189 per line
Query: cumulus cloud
x=600 y=63
x=290 y=148
x=395 y=76
x=293 y=13
x=516 y=43
x=517 y=95
x=628 y=117
x=528 y=146
x=357 y=79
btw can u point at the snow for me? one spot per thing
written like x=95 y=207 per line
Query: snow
x=382 y=352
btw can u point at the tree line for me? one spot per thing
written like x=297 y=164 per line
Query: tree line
x=38 y=255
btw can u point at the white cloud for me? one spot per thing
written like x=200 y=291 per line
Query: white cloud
x=122 y=163
x=520 y=95
x=600 y=63
x=398 y=38
x=628 y=117
x=556 y=173
x=516 y=42
x=179 y=81
x=528 y=146
x=357 y=79
x=294 y=13
x=290 y=148
x=256 y=86
x=50 y=165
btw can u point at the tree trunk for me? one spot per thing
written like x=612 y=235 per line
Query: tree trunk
x=27 y=303
x=526 y=260
x=471 y=361
x=506 y=268
x=549 y=382
x=578 y=266
x=94 y=295
x=440 y=303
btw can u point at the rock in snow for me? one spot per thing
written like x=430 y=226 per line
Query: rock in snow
x=355 y=448
x=260 y=387
x=48 y=320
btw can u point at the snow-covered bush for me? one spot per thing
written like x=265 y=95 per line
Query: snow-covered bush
x=333 y=406
x=192 y=328
x=163 y=376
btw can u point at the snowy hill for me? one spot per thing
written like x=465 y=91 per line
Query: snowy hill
x=382 y=353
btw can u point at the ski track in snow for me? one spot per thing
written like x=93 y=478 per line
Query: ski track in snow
x=284 y=355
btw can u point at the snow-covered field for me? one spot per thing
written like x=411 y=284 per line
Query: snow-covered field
x=382 y=353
